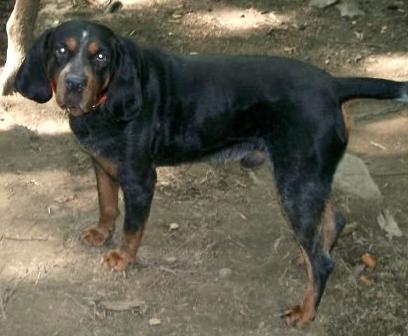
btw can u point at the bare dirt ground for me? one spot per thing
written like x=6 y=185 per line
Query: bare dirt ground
x=230 y=267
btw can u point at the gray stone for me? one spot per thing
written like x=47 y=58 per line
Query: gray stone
x=349 y=8
x=354 y=179
x=322 y=3
x=224 y=273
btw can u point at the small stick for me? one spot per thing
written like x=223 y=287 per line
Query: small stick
x=390 y=174
x=4 y=237
x=174 y=270
x=2 y=308
x=376 y=144
x=38 y=278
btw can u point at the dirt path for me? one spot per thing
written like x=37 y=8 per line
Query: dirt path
x=230 y=267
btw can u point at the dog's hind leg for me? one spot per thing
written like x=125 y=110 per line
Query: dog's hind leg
x=304 y=169
x=303 y=199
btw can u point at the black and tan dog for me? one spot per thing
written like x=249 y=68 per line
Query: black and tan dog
x=134 y=109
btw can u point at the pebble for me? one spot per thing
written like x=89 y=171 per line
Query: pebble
x=171 y=259
x=322 y=3
x=174 y=226
x=224 y=273
x=154 y=321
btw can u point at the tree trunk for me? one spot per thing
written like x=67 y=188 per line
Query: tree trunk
x=20 y=27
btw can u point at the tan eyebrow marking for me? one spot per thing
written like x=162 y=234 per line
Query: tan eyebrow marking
x=93 y=48
x=71 y=43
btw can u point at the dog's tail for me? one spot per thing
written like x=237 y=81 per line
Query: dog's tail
x=351 y=88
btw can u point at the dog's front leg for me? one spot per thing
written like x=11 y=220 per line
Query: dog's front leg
x=138 y=188
x=108 y=189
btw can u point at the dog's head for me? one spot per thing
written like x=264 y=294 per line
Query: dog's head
x=84 y=64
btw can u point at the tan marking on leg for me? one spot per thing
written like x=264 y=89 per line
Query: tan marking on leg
x=132 y=241
x=120 y=259
x=107 y=165
x=329 y=227
x=306 y=311
x=108 y=190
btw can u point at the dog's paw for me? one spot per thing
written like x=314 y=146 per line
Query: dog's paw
x=117 y=260
x=95 y=235
x=298 y=316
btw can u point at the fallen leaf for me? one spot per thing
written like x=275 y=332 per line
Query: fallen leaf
x=366 y=281
x=368 y=260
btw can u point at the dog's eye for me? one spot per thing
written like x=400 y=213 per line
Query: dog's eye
x=61 y=51
x=101 y=57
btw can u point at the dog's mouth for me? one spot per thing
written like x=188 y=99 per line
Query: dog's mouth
x=73 y=111
x=73 y=104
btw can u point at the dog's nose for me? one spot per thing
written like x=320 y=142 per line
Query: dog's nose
x=75 y=83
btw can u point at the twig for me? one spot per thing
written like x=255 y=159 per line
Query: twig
x=376 y=144
x=38 y=278
x=174 y=271
x=169 y=270
x=121 y=305
x=2 y=308
x=390 y=174
x=4 y=237
x=238 y=243
x=280 y=280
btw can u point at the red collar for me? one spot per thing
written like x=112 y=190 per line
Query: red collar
x=53 y=86
x=100 y=101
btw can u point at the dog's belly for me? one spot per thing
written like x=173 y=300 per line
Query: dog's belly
x=234 y=150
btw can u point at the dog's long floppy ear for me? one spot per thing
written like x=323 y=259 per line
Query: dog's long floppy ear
x=124 y=95
x=32 y=80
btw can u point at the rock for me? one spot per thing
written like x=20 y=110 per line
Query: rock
x=349 y=8
x=353 y=178
x=173 y=226
x=322 y=3
x=387 y=222
x=154 y=321
x=171 y=259
x=224 y=273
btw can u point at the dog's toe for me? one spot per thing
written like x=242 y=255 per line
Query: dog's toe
x=117 y=260
x=95 y=235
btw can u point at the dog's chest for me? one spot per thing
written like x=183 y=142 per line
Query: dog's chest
x=98 y=138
